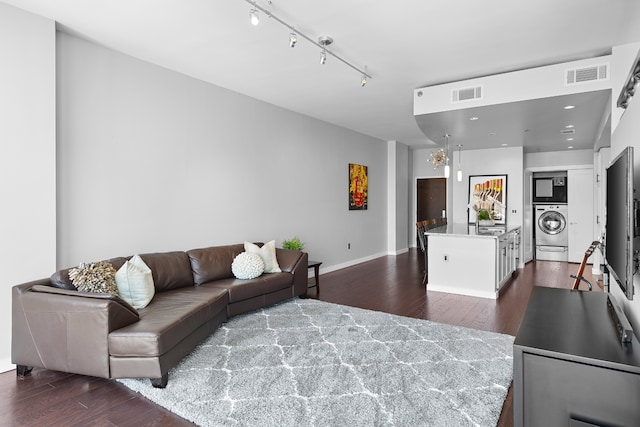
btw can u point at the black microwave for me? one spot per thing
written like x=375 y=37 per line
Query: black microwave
x=550 y=189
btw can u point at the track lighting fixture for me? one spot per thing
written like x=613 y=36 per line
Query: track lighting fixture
x=322 y=42
x=253 y=16
x=631 y=86
x=323 y=56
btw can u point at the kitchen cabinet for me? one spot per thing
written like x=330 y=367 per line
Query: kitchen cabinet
x=463 y=261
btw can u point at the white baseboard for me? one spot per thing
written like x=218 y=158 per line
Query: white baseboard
x=6 y=365
x=350 y=263
x=462 y=291
x=398 y=252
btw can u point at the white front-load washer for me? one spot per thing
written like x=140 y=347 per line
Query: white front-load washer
x=552 y=232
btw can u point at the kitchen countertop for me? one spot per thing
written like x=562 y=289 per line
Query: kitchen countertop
x=469 y=230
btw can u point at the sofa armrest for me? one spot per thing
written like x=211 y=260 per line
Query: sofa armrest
x=65 y=330
x=296 y=263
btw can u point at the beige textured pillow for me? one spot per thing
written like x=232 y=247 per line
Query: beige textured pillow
x=135 y=282
x=268 y=254
x=97 y=277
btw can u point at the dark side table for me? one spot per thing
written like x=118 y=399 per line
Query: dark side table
x=316 y=272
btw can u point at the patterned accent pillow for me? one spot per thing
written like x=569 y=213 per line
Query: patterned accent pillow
x=247 y=266
x=97 y=277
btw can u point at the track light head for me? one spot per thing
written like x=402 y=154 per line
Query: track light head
x=253 y=16
x=631 y=86
x=293 y=39
x=324 y=41
x=323 y=57
x=363 y=78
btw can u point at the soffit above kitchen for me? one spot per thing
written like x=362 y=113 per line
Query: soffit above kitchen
x=553 y=108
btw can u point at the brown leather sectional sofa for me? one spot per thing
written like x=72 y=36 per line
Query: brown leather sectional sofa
x=57 y=327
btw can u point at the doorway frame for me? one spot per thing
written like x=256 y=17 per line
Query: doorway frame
x=414 y=201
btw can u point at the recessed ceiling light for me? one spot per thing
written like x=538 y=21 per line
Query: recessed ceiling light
x=569 y=126
x=571 y=146
x=492 y=134
x=473 y=119
x=504 y=145
x=569 y=139
x=569 y=107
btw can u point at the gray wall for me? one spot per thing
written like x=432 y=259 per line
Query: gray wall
x=27 y=159
x=152 y=160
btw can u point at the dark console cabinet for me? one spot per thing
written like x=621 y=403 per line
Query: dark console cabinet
x=569 y=367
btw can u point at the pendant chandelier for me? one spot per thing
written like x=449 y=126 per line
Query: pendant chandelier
x=440 y=157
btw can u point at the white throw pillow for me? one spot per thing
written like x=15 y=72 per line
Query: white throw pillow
x=135 y=282
x=268 y=254
x=247 y=266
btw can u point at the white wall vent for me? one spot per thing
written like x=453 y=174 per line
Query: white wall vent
x=466 y=94
x=587 y=74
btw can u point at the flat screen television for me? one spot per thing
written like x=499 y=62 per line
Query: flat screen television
x=620 y=221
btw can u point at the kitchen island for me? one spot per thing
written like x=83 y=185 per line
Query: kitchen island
x=467 y=261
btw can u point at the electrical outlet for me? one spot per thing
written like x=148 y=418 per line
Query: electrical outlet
x=446 y=257
x=348 y=245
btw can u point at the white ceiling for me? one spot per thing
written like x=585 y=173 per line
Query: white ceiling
x=404 y=44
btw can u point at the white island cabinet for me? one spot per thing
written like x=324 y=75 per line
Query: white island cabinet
x=463 y=261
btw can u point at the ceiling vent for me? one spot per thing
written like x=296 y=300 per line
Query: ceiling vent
x=466 y=94
x=587 y=74
x=568 y=131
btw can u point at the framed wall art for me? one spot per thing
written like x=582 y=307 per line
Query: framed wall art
x=488 y=193
x=358 y=187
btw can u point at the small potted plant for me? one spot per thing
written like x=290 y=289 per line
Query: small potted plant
x=484 y=218
x=293 y=244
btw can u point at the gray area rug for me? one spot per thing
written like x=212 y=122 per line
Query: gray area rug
x=310 y=363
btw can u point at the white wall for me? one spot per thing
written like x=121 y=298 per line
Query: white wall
x=27 y=162
x=152 y=160
x=403 y=185
x=627 y=133
x=558 y=160
x=497 y=161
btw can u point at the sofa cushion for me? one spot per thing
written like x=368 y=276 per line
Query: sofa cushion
x=169 y=318
x=268 y=254
x=213 y=263
x=170 y=270
x=244 y=289
x=60 y=279
x=135 y=282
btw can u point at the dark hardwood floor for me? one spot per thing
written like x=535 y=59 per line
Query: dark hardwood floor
x=390 y=284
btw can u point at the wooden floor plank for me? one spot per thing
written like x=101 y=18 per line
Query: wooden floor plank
x=391 y=284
